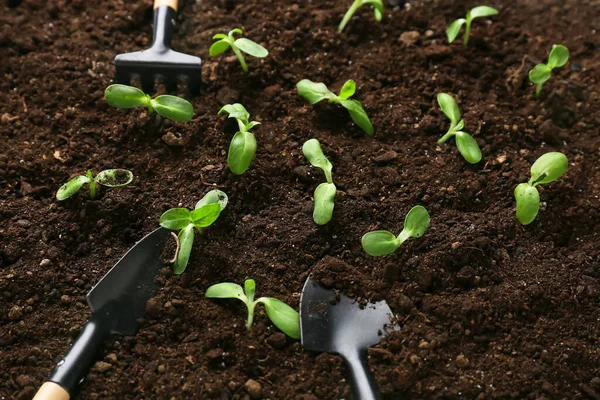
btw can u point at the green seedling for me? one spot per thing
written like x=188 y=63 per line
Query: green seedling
x=314 y=92
x=559 y=55
x=377 y=8
x=381 y=243
x=206 y=211
x=454 y=27
x=283 y=316
x=243 y=145
x=547 y=168
x=171 y=107
x=467 y=146
x=325 y=192
x=224 y=42
x=109 y=178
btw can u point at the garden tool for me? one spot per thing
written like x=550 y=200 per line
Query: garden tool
x=159 y=61
x=337 y=324
x=117 y=301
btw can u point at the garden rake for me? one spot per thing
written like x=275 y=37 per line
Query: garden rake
x=160 y=61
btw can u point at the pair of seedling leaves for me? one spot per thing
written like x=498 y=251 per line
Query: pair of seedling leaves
x=467 y=146
x=559 y=55
x=243 y=145
x=324 y=193
x=109 y=178
x=377 y=9
x=314 y=92
x=224 y=42
x=546 y=169
x=477 y=12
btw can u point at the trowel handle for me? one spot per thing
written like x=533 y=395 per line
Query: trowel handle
x=71 y=370
x=164 y=19
x=362 y=381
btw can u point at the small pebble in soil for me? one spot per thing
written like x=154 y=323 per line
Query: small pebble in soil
x=462 y=361
x=409 y=38
x=253 y=388
x=276 y=340
x=101 y=366
x=45 y=263
x=112 y=358
x=15 y=313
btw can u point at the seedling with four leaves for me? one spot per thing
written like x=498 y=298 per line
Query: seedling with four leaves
x=314 y=92
x=206 y=212
x=243 y=145
x=546 y=169
x=559 y=55
x=356 y=4
x=224 y=42
x=454 y=27
x=467 y=146
x=109 y=178
x=324 y=193
x=283 y=316
x=171 y=107
x=381 y=243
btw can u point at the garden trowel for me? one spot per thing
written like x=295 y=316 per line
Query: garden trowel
x=117 y=301
x=160 y=61
x=337 y=324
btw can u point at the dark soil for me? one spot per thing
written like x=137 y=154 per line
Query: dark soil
x=489 y=308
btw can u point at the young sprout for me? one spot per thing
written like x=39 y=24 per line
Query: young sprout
x=325 y=192
x=172 y=107
x=314 y=92
x=224 y=42
x=206 y=212
x=283 y=316
x=467 y=146
x=547 y=168
x=243 y=145
x=377 y=6
x=381 y=243
x=109 y=178
x=559 y=55
x=454 y=27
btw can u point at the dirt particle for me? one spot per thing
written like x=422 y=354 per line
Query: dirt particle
x=64 y=299
x=424 y=344
x=23 y=380
x=386 y=157
x=461 y=361
x=161 y=369
x=153 y=307
x=15 y=313
x=45 y=263
x=101 y=366
x=276 y=340
x=173 y=140
x=253 y=388
x=409 y=38
x=112 y=358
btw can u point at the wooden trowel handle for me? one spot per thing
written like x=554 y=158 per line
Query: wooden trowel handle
x=170 y=3
x=51 y=391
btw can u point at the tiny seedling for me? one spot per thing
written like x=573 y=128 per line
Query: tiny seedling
x=243 y=145
x=547 y=168
x=381 y=243
x=171 y=107
x=283 y=316
x=314 y=92
x=206 y=212
x=356 y=4
x=454 y=27
x=325 y=192
x=559 y=55
x=109 y=178
x=224 y=42
x=467 y=146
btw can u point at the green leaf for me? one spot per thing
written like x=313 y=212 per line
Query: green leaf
x=205 y=215
x=380 y=243
x=454 y=28
x=114 y=177
x=283 y=316
x=459 y=126
x=226 y=290
x=449 y=107
x=71 y=187
x=241 y=152
x=468 y=147
x=415 y=223
x=378 y=5
x=250 y=289
x=213 y=197
x=236 y=111
x=251 y=125
x=558 y=56
x=540 y=74
x=314 y=154
x=123 y=96
x=186 y=241
x=482 y=11
x=176 y=218
x=313 y=92
x=324 y=203
x=236 y=30
x=220 y=36
x=173 y=107
x=528 y=203
x=252 y=48
x=348 y=89
x=219 y=47
x=358 y=115
x=548 y=168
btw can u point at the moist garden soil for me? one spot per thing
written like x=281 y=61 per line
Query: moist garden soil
x=488 y=308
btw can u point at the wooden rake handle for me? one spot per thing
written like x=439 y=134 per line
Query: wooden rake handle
x=170 y=3
x=51 y=391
